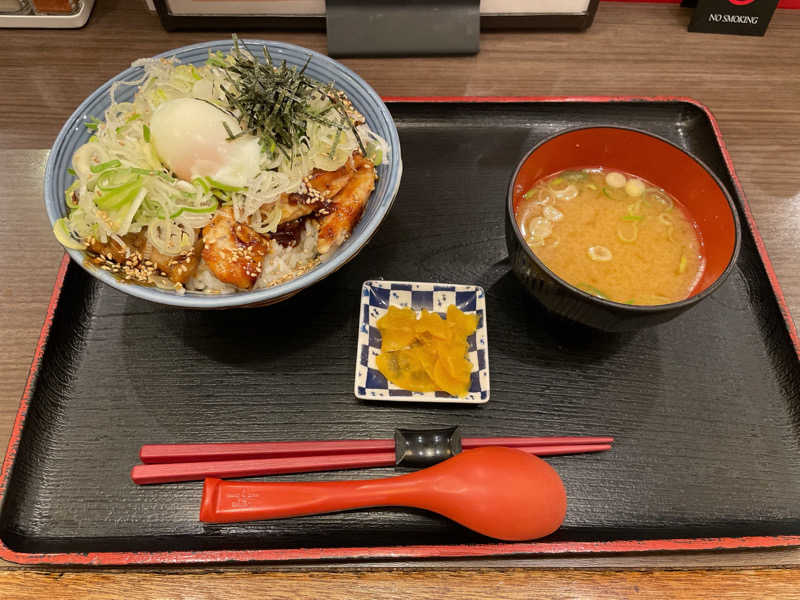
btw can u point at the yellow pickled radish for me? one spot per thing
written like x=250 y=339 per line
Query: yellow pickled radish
x=426 y=353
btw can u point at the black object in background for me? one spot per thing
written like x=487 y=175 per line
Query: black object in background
x=705 y=409
x=740 y=17
x=408 y=28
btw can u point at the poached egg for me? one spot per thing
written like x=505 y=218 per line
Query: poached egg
x=189 y=137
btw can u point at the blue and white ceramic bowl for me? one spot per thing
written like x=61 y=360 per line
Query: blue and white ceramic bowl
x=376 y=296
x=321 y=68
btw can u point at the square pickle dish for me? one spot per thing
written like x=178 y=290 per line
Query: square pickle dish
x=377 y=295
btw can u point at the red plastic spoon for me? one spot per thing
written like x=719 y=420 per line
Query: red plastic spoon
x=502 y=493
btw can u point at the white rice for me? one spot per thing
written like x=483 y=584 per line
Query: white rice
x=280 y=265
x=283 y=264
x=204 y=281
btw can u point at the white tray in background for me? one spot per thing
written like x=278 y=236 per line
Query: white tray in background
x=73 y=21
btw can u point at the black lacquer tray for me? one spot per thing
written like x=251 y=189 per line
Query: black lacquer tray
x=705 y=409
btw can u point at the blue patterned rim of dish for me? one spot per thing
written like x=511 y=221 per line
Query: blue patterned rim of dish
x=377 y=295
x=321 y=68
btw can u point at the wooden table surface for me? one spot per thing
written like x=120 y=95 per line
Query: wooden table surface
x=751 y=84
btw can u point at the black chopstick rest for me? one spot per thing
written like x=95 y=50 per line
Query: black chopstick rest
x=417 y=448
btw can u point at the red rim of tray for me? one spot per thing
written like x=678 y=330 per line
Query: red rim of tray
x=405 y=552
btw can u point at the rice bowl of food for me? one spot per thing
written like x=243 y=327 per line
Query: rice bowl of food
x=223 y=174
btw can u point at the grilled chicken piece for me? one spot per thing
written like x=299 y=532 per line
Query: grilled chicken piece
x=323 y=185
x=233 y=251
x=296 y=206
x=346 y=207
x=112 y=250
x=178 y=268
x=330 y=183
x=139 y=258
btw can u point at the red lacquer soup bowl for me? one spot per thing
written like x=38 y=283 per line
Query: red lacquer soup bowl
x=652 y=158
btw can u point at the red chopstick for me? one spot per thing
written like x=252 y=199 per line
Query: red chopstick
x=194 y=471
x=185 y=453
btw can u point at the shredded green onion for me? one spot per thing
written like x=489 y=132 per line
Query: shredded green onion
x=666 y=200
x=116 y=200
x=634 y=207
x=93 y=124
x=223 y=186
x=592 y=290
x=71 y=171
x=146 y=133
x=527 y=195
x=633 y=217
x=607 y=194
x=336 y=139
x=69 y=193
x=111 y=164
x=197 y=210
x=64 y=236
x=119 y=196
x=215 y=60
x=632 y=238
x=130 y=119
x=160 y=174
x=375 y=154
x=200 y=182
x=112 y=179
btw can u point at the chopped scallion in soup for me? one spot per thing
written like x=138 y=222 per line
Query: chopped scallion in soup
x=613 y=235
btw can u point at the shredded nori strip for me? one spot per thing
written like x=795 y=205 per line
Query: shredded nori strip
x=274 y=103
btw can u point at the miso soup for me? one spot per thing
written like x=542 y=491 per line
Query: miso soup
x=613 y=235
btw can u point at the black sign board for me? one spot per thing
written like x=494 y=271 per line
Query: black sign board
x=742 y=17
